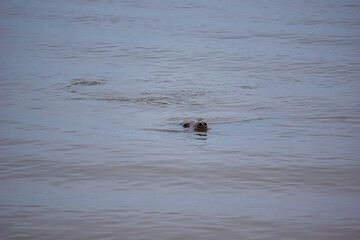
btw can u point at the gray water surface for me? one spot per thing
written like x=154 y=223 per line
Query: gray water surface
x=91 y=94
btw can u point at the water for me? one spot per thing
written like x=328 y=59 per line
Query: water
x=92 y=92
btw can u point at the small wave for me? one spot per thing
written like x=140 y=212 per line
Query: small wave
x=149 y=100
x=94 y=90
x=77 y=82
x=85 y=82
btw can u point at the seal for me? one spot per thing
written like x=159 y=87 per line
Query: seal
x=199 y=126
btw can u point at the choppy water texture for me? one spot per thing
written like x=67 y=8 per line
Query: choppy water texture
x=92 y=92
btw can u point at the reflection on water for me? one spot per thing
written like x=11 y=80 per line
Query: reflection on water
x=201 y=136
x=92 y=94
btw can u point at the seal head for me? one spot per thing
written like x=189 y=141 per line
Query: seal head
x=200 y=126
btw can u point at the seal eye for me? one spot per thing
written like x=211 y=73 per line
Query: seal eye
x=205 y=124
x=200 y=124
